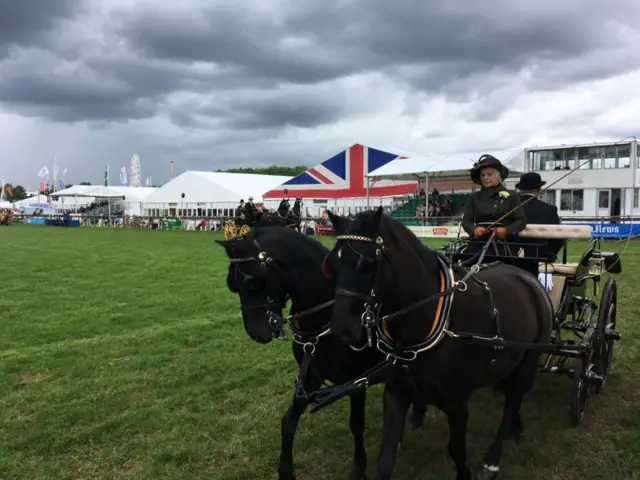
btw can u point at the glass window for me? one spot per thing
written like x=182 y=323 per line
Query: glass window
x=570 y=159
x=546 y=160
x=548 y=196
x=596 y=157
x=636 y=193
x=534 y=161
x=603 y=198
x=571 y=200
x=584 y=158
x=610 y=157
x=624 y=154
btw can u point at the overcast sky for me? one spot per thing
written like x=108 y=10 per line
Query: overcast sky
x=215 y=84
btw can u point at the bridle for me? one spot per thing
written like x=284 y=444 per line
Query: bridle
x=373 y=322
x=277 y=322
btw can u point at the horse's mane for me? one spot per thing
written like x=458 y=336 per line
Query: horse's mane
x=288 y=246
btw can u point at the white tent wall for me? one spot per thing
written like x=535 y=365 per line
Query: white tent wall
x=208 y=194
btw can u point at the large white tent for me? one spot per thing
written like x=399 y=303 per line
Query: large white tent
x=210 y=190
x=79 y=195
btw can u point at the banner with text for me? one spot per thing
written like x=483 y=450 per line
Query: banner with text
x=614 y=230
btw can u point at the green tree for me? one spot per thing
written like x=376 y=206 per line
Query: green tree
x=85 y=183
x=272 y=170
x=19 y=193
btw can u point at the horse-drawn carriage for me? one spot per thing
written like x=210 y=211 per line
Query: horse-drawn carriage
x=578 y=313
x=486 y=324
x=5 y=216
x=260 y=216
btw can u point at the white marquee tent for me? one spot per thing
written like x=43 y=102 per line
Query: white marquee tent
x=210 y=190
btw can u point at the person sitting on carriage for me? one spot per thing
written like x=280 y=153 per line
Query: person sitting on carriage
x=240 y=209
x=491 y=203
x=541 y=213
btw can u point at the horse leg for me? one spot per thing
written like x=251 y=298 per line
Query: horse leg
x=356 y=423
x=395 y=408
x=288 y=428
x=458 y=417
x=511 y=427
x=418 y=413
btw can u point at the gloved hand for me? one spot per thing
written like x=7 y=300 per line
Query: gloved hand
x=546 y=279
x=479 y=232
x=501 y=233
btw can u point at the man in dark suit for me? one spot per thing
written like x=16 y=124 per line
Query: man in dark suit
x=539 y=212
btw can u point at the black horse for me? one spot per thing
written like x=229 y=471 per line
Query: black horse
x=294 y=217
x=270 y=265
x=427 y=306
x=283 y=208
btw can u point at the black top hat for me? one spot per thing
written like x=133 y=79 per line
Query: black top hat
x=487 y=161
x=530 y=181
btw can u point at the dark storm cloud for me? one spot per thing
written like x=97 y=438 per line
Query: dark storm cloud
x=133 y=62
x=28 y=22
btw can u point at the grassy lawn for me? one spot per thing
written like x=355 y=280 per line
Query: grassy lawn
x=122 y=355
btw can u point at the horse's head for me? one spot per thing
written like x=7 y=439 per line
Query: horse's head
x=255 y=276
x=359 y=250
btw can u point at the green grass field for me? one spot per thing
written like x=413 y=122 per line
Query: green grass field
x=123 y=355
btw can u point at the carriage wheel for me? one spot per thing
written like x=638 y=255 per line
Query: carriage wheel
x=606 y=333
x=245 y=229
x=229 y=230
x=581 y=388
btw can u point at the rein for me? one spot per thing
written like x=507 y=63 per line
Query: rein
x=371 y=318
x=277 y=322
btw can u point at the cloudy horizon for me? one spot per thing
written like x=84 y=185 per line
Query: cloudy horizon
x=214 y=84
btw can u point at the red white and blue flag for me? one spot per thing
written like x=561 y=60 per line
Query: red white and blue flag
x=343 y=176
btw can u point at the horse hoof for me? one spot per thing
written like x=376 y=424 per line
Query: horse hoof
x=286 y=476
x=487 y=474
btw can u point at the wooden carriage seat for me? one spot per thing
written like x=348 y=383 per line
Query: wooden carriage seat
x=559 y=271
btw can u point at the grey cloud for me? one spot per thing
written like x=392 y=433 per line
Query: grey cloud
x=28 y=22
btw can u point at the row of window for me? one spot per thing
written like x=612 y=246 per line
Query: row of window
x=574 y=199
x=618 y=156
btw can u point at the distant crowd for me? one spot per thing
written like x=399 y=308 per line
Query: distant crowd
x=434 y=205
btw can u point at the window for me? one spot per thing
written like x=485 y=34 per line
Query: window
x=603 y=198
x=583 y=158
x=636 y=194
x=596 y=154
x=548 y=196
x=610 y=157
x=624 y=156
x=571 y=200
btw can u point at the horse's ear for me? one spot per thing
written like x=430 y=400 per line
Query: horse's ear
x=377 y=217
x=340 y=224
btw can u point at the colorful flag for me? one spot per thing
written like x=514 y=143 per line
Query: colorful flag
x=44 y=171
x=344 y=176
x=123 y=176
x=62 y=186
x=106 y=175
x=9 y=191
x=43 y=186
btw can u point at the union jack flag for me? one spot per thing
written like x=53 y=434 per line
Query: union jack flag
x=343 y=176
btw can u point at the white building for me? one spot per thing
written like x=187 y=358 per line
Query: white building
x=607 y=182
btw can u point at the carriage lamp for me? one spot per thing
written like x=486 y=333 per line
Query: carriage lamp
x=596 y=263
